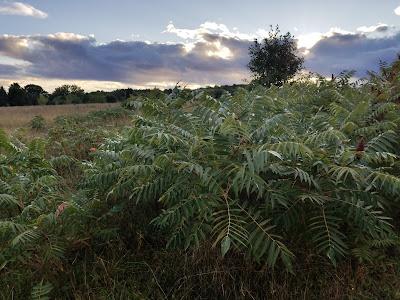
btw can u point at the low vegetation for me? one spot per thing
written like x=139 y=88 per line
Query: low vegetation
x=281 y=192
x=12 y=118
x=34 y=95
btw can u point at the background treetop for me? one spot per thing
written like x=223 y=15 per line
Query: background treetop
x=275 y=59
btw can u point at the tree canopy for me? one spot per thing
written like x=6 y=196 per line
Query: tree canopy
x=33 y=93
x=16 y=95
x=274 y=60
x=3 y=97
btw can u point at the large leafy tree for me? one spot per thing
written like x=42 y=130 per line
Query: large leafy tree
x=16 y=95
x=275 y=59
x=3 y=97
x=67 y=94
x=33 y=93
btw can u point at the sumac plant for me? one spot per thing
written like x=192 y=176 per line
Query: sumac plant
x=33 y=241
x=263 y=172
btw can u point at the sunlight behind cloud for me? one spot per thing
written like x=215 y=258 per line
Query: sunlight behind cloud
x=221 y=51
x=308 y=40
x=208 y=28
x=67 y=36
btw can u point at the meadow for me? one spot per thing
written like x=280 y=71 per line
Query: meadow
x=15 y=117
x=283 y=192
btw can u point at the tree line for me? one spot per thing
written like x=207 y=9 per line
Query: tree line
x=33 y=94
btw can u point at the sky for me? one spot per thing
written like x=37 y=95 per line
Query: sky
x=104 y=45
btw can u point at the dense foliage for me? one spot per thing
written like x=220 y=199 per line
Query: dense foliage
x=264 y=171
x=275 y=59
x=386 y=85
x=209 y=197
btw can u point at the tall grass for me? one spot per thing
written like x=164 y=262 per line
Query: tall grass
x=15 y=117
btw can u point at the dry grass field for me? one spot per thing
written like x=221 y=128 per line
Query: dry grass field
x=15 y=117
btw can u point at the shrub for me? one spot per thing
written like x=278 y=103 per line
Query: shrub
x=38 y=123
x=266 y=172
x=275 y=59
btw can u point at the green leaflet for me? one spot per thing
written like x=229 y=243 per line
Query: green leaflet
x=225 y=245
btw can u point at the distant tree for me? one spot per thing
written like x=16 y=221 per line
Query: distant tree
x=16 y=95
x=43 y=99
x=76 y=90
x=67 y=94
x=96 y=97
x=33 y=93
x=3 y=97
x=155 y=93
x=275 y=59
x=120 y=95
x=110 y=98
x=60 y=91
x=73 y=99
x=58 y=100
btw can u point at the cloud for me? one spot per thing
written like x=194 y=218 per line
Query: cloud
x=51 y=83
x=9 y=71
x=212 y=59
x=208 y=28
x=397 y=11
x=375 y=28
x=362 y=50
x=307 y=41
x=21 y=9
x=209 y=54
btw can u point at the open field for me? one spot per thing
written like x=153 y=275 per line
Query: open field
x=15 y=117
